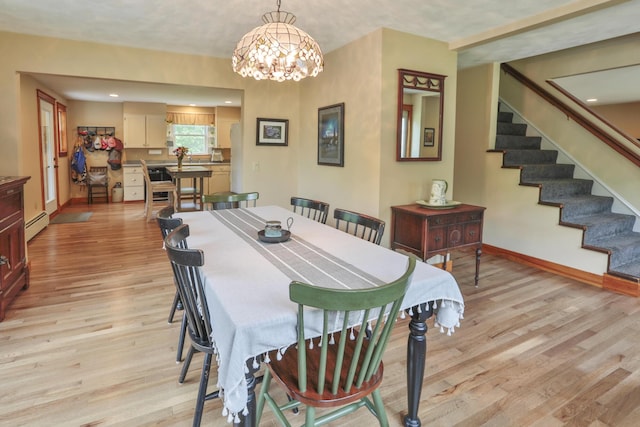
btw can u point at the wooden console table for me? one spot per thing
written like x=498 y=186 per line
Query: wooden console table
x=14 y=269
x=427 y=232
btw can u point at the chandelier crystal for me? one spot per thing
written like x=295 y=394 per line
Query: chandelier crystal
x=277 y=50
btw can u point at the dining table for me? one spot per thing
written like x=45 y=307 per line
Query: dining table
x=197 y=174
x=246 y=282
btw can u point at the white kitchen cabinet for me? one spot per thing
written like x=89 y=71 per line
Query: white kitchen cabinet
x=145 y=131
x=220 y=179
x=133 y=178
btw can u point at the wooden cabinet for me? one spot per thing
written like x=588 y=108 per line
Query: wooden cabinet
x=133 y=178
x=427 y=232
x=145 y=131
x=14 y=271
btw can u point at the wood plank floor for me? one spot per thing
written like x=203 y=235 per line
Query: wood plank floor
x=88 y=343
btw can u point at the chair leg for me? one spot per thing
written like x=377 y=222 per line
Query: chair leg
x=379 y=405
x=264 y=388
x=174 y=306
x=185 y=366
x=183 y=332
x=202 y=391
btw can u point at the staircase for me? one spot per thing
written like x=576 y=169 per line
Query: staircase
x=603 y=230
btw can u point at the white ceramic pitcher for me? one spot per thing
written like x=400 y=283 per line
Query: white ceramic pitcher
x=438 y=192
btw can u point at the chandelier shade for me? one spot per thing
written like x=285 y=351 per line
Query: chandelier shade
x=277 y=50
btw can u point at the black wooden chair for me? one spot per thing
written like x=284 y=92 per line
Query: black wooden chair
x=360 y=225
x=167 y=224
x=340 y=370
x=314 y=209
x=230 y=200
x=187 y=263
x=97 y=183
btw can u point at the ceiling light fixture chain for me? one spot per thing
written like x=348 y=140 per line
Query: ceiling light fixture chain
x=277 y=50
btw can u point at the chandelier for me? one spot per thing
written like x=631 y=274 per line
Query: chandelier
x=277 y=50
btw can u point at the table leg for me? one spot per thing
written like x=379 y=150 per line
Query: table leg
x=250 y=419
x=478 y=253
x=179 y=192
x=416 y=356
x=201 y=193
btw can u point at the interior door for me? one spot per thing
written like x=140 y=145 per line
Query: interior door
x=46 y=124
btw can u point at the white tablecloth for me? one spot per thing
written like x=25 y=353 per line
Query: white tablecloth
x=248 y=294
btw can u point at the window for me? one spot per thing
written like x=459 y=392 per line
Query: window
x=194 y=137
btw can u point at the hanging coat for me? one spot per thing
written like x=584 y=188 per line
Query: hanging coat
x=78 y=166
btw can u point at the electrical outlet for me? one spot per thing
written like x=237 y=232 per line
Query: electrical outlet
x=256 y=166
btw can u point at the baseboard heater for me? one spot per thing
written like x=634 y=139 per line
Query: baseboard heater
x=36 y=225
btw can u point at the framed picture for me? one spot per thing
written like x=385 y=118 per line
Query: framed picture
x=61 y=136
x=272 y=132
x=331 y=135
x=428 y=137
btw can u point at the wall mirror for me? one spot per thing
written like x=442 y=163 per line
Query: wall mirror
x=420 y=109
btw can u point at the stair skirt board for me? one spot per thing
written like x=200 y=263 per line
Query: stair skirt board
x=603 y=230
x=36 y=225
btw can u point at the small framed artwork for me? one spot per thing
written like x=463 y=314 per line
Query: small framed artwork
x=272 y=132
x=428 y=137
x=331 y=135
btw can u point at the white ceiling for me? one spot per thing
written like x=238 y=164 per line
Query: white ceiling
x=481 y=31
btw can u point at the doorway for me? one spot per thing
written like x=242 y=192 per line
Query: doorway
x=49 y=161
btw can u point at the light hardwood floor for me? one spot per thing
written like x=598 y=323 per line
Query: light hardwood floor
x=88 y=343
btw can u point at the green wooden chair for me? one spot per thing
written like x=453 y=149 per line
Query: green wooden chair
x=339 y=369
x=314 y=209
x=230 y=200
x=360 y=225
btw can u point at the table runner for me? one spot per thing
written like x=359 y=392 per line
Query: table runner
x=248 y=299
x=292 y=257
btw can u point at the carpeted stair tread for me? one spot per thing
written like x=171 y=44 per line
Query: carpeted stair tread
x=629 y=269
x=504 y=116
x=529 y=157
x=581 y=205
x=604 y=225
x=518 y=142
x=508 y=128
x=546 y=171
x=554 y=188
x=625 y=248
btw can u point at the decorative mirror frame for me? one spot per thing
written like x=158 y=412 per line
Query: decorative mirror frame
x=429 y=82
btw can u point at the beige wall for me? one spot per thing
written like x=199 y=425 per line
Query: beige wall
x=477 y=104
x=624 y=116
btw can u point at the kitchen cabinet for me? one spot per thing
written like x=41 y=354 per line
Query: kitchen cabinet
x=427 y=232
x=220 y=180
x=133 y=181
x=14 y=271
x=145 y=130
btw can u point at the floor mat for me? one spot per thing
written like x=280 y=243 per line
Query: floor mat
x=66 y=218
